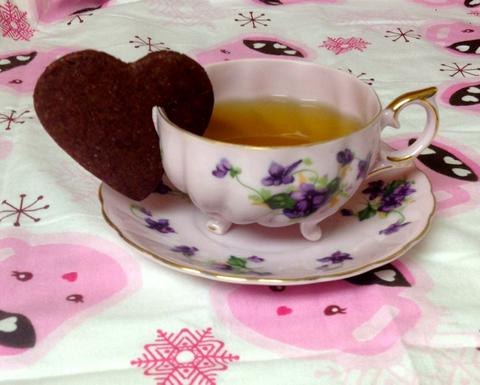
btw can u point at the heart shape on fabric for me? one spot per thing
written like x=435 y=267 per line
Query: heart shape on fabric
x=98 y=109
x=284 y=310
x=463 y=48
x=258 y=45
x=386 y=275
x=16 y=331
x=70 y=277
x=450 y=160
x=8 y=325
x=470 y=98
x=461 y=171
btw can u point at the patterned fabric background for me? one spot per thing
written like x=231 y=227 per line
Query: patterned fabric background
x=79 y=305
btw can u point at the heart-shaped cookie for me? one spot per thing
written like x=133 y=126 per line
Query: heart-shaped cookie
x=98 y=109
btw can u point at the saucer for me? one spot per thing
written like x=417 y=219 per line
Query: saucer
x=389 y=214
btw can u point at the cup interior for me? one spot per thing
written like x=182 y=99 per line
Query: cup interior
x=258 y=78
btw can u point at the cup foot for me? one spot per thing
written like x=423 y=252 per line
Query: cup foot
x=311 y=231
x=218 y=226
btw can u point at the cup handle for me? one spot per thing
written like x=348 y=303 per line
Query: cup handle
x=422 y=98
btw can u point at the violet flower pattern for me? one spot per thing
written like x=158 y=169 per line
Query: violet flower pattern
x=160 y=225
x=162 y=188
x=393 y=228
x=295 y=189
x=307 y=200
x=240 y=265
x=334 y=260
x=222 y=168
x=279 y=174
x=374 y=189
x=187 y=251
x=385 y=199
x=145 y=211
x=345 y=157
x=363 y=166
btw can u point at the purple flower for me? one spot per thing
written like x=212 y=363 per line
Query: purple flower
x=374 y=189
x=222 y=168
x=162 y=188
x=390 y=203
x=363 y=167
x=162 y=225
x=308 y=200
x=393 y=228
x=404 y=190
x=222 y=266
x=280 y=175
x=346 y=212
x=187 y=251
x=255 y=259
x=145 y=211
x=336 y=257
x=345 y=157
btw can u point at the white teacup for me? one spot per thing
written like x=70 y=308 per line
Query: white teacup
x=280 y=186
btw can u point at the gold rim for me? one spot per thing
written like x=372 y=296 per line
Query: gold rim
x=352 y=78
x=267 y=281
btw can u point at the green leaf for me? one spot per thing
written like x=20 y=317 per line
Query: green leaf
x=322 y=181
x=237 y=262
x=234 y=171
x=265 y=194
x=281 y=201
x=307 y=161
x=255 y=199
x=366 y=213
x=333 y=185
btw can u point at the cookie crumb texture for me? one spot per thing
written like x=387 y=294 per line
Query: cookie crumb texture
x=99 y=110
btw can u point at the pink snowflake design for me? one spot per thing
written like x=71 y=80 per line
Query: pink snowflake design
x=184 y=358
x=401 y=34
x=14 y=118
x=463 y=70
x=148 y=43
x=13 y=22
x=362 y=76
x=341 y=45
x=252 y=19
x=21 y=210
x=474 y=13
x=81 y=14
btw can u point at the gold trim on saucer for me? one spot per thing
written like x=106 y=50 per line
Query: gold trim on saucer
x=267 y=281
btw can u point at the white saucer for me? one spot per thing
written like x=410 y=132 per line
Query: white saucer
x=168 y=228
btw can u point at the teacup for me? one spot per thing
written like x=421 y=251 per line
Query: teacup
x=281 y=186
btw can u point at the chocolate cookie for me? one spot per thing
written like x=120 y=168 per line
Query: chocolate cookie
x=99 y=110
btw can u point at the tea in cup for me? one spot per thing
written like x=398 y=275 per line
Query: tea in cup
x=289 y=142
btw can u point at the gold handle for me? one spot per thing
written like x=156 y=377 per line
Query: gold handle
x=420 y=97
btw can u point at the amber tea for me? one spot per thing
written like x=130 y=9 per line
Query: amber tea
x=277 y=121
